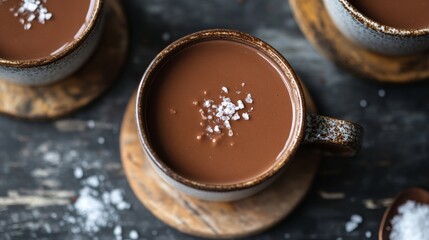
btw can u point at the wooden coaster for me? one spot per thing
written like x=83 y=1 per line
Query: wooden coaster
x=213 y=219
x=79 y=89
x=317 y=26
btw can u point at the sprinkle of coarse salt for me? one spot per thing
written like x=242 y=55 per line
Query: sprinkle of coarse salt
x=354 y=222
x=133 y=234
x=217 y=116
x=245 y=116
x=363 y=103
x=249 y=98
x=243 y=84
x=411 y=223
x=31 y=10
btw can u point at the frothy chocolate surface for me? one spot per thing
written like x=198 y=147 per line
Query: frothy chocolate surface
x=219 y=112
x=21 y=39
x=404 y=14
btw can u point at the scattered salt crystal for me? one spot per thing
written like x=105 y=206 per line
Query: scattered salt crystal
x=117 y=199
x=133 y=234
x=52 y=157
x=354 y=222
x=93 y=181
x=249 y=98
x=78 y=173
x=92 y=209
x=227 y=124
x=154 y=232
x=27 y=26
x=242 y=84
x=91 y=124
x=207 y=103
x=225 y=90
x=235 y=117
x=166 y=36
x=368 y=234
x=209 y=129
x=363 y=103
x=381 y=93
x=240 y=104
x=230 y=133
x=101 y=140
x=245 y=116
x=217 y=129
x=117 y=231
x=411 y=223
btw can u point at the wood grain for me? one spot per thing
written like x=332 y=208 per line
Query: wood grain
x=317 y=26
x=79 y=89
x=213 y=219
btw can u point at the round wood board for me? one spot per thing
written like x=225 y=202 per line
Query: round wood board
x=317 y=26
x=79 y=89
x=213 y=219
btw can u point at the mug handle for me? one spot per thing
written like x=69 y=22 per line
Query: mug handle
x=332 y=136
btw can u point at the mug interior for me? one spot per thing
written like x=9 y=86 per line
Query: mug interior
x=293 y=85
x=362 y=18
x=95 y=14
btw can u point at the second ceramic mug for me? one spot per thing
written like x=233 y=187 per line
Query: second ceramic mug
x=373 y=35
x=335 y=136
x=62 y=62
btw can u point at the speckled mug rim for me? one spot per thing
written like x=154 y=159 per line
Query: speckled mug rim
x=98 y=7
x=376 y=26
x=274 y=55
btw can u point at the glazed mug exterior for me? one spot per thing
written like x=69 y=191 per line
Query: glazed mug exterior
x=333 y=135
x=61 y=64
x=373 y=35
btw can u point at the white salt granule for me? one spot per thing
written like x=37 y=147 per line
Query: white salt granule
x=363 y=103
x=245 y=116
x=78 y=173
x=91 y=124
x=411 y=223
x=117 y=231
x=101 y=140
x=93 y=181
x=368 y=234
x=354 y=222
x=117 y=199
x=249 y=98
x=133 y=234
x=381 y=93
x=225 y=90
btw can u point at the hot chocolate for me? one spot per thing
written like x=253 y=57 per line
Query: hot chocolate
x=409 y=14
x=33 y=29
x=219 y=112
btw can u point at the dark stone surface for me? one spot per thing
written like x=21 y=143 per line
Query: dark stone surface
x=38 y=158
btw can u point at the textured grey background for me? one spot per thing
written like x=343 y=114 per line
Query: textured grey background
x=37 y=159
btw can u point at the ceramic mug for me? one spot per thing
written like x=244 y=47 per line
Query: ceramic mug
x=373 y=35
x=334 y=136
x=61 y=64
